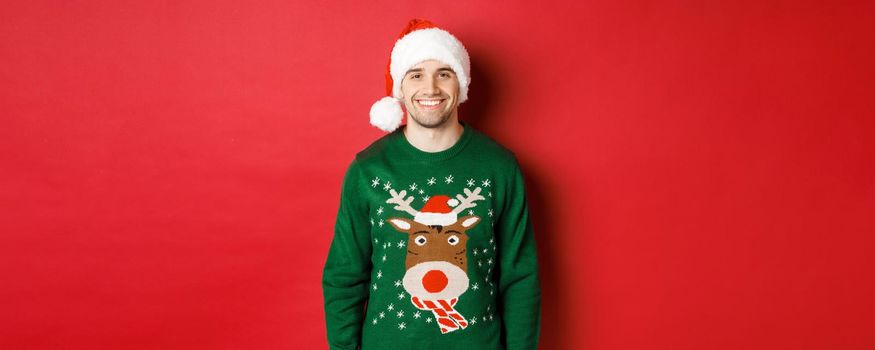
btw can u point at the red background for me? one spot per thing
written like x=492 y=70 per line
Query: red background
x=700 y=174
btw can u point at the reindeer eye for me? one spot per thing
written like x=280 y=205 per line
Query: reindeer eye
x=419 y=240
x=453 y=240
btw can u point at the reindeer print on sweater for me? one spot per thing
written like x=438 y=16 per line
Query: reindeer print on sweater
x=435 y=248
x=432 y=250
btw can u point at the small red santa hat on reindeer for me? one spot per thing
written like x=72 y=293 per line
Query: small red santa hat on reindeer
x=420 y=41
x=438 y=211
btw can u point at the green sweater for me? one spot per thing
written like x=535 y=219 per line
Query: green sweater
x=433 y=250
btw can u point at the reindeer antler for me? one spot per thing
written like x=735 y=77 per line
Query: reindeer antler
x=400 y=203
x=467 y=201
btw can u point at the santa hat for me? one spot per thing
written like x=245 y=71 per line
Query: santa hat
x=420 y=41
x=438 y=211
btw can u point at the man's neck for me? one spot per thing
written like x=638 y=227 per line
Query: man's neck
x=433 y=139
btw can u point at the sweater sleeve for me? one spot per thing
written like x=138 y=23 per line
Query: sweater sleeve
x=518 y=281
x=346 y=274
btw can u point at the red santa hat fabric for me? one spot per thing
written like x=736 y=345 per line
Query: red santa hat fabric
x=438 y=211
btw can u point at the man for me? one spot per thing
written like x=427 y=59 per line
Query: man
x=433 y=247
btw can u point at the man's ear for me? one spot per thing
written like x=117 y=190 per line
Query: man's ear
x=401 y=224
x=469 y=221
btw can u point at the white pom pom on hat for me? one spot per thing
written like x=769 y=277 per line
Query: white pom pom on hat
x=420 y=41
x=386 y=114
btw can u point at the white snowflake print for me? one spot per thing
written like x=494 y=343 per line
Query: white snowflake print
x=425 y=199
x=448 y=179
x=485 y=183
x=401 y=296
x=372 y=222
x=375 y=182
x=421 y=191
x=471 y=212
x=416 y=315
x=400 y=244
x=490 y=212
x=474 y=320
x=475 y=287
x=398 y=283
x=475 y=252
x=375 y=286
x=384 y=257
x=491 y=239
x=380 y=211
x=391 y=307
x=431 y=181
x=380 y=274
x=490 y=193
x=380 y=223
x=402 y=325
x=400 y=314
x=387 y=186
x=470 y=182
x=479 y=263
x=375 y=320
x=412 y=187
x=382 y=314
x=489 y=261
x=428 y=320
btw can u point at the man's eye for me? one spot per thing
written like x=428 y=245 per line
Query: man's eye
x=415 y=76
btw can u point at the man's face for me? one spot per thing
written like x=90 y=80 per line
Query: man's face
x=430 y=91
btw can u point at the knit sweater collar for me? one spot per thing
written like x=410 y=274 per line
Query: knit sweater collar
x=417 y=154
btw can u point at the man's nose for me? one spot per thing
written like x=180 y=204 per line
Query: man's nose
x=431 y=87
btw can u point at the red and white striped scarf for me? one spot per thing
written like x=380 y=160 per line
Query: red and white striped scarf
x=447 y=317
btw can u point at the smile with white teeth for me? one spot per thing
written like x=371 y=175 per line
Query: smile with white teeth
x=430 y=104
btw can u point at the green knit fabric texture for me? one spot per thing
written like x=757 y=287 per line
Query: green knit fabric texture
x=432 y=250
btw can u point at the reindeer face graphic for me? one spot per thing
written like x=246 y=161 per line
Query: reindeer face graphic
x=437 y=264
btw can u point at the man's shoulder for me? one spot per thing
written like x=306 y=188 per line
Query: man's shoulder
x=485 y=144
x=376 y=149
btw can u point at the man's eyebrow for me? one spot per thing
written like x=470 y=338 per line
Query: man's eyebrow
x=417 y=70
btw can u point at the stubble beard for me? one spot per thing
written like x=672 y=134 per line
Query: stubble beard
x=432 y=121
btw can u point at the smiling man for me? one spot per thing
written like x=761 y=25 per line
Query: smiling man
x=430 y=93
x=432 y=247
x=433 y=91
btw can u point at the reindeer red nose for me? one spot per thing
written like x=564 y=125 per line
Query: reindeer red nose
x=434 y=281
